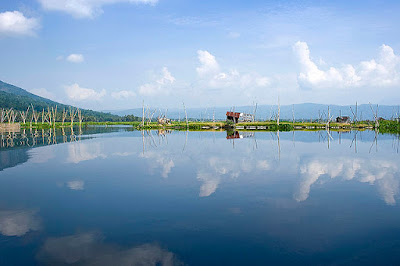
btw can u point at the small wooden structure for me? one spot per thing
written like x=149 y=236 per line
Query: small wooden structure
x=239 y=117
x=342 y=119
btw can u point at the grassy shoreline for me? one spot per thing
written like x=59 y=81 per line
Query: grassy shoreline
x=386 y=126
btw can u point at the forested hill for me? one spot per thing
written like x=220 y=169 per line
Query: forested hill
x=20 y=99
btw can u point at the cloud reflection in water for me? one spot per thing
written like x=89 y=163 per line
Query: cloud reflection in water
x=383 y=173
x=18 y=223
x=89 y=249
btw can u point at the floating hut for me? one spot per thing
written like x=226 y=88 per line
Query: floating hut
x=239 y=117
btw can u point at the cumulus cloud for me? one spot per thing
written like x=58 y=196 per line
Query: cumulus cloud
x=161 y=86
x=76 y=185
x=77 y=93
x=210 y=72
x=208 y=63
x=380 y=72
x=380 y=172
x=44 y=93
x=15 y=23
x=89 y=249
x=123 y=94
x=75 y=58
x=18 y=223
x=85 y=8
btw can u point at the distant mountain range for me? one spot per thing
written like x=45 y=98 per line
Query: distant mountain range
x=304 y=111
x=14 y=97
x=19 y=99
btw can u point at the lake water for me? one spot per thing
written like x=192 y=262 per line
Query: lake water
x=114 y=196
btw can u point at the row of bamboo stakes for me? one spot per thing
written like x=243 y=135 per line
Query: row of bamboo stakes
x=48 y=116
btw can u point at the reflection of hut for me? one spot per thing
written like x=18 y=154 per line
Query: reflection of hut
x=239 y=117
x=238 y=135
x=343 y=119
x=232 y=135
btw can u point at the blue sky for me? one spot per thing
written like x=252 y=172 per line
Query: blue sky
x=113 y=54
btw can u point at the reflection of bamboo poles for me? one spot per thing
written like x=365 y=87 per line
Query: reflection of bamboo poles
x=72 y=136
x=64 y=135
x=35 y=137
x=355 y=142
x=375 y=141
x=279 y=147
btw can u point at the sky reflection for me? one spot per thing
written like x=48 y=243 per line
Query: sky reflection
x=160 y=199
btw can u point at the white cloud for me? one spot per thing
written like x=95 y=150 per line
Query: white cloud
x=161 y=86
x=89 y=249
x=209 y=71
x=85 y=8
x=382 y=72
x=75 y=58
x=44 y=93
x=208 y=63
x=18 y=223
x=77 y=93
x=15 y=23
x=76 y=185
x=123 y=94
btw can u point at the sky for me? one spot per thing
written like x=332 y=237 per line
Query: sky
x=115 y=54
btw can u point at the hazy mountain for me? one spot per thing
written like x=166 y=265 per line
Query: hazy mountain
x=19 y=99
x=304 y=111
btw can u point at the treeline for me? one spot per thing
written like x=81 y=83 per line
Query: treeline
x=23 y=102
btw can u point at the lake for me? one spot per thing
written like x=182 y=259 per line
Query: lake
x=115 y=196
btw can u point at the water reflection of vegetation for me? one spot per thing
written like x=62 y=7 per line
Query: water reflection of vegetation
x=38 y=137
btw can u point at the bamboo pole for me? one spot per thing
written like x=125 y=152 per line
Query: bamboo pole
x=279 y=110
x=187 y=123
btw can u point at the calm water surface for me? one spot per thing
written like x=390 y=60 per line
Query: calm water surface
x=114 y=196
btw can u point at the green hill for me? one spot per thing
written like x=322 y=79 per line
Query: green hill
x=19 y=99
